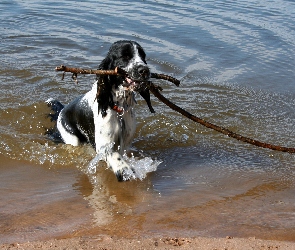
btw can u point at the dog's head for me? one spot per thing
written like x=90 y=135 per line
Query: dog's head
x=129 y=56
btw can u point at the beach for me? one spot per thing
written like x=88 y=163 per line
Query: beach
x=109 y=243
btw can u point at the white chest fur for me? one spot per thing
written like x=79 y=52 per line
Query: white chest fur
x=115 y=128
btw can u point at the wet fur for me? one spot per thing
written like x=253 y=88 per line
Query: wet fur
x=92 y=119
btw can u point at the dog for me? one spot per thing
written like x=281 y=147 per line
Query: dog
x=104 y=116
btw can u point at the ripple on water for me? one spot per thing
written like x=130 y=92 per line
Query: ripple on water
x=235 y=60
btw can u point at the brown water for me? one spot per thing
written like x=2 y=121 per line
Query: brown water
x=235 y=61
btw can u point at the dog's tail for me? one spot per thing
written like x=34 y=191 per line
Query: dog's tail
x=56 y=107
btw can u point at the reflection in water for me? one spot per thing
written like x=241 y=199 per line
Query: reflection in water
x=190 y=194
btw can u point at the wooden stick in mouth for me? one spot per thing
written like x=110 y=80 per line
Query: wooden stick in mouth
x=155 y=90
x=116 y=71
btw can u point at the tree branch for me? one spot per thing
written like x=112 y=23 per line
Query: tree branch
x=117 y=71
x=219 y=129
x=155 y=91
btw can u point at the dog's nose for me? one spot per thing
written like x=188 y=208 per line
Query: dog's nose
x=144 y=72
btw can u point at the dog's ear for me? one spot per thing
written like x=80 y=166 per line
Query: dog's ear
x=146 y=96
x=104 y=88
x=104 y=94
x=106 y=63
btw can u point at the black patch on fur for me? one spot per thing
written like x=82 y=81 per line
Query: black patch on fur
x=147 y=97
x=78 y=113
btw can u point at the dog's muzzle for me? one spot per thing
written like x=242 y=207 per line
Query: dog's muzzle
x=137 y=78
x=143 y=72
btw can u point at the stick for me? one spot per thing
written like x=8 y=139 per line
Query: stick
x=165 y=77
x=155 y=91
x=86 y=71
x=117 y=71
x=222 y=130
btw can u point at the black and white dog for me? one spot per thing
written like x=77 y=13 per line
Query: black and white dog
x=104 y=116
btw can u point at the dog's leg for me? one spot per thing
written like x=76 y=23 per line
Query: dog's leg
x=121 y=169
x=107 y=140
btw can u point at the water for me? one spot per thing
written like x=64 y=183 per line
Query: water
x=235 y=60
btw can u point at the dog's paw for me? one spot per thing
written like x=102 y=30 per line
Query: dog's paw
x=122 y=170
x=125 y=174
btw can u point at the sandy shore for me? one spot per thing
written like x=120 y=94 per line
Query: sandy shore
x=108 y=243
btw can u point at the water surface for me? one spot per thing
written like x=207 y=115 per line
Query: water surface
x=235 y=60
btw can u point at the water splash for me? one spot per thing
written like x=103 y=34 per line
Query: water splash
x=141 y=165
x=100 y=156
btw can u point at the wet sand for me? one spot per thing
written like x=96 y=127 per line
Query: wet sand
x=108 y=242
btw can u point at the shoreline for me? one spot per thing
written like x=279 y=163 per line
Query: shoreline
x=104 y=242
x=110 y=236
x=63 y=212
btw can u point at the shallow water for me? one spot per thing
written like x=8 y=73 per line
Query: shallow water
x=235 y=60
